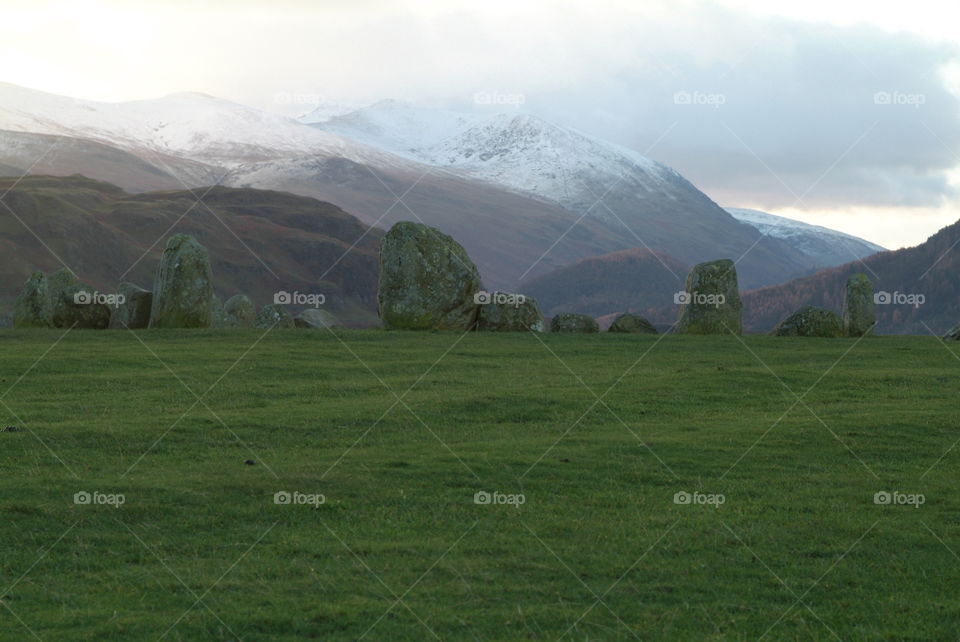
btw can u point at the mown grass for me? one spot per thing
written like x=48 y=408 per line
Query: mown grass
x=400 y=551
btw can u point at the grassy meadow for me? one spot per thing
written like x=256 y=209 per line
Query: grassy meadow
x=477 y=487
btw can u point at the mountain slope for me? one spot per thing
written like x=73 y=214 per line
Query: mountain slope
x=643 y=202
x=260 y=242
x=634 y=280
x=929 y=270
x=824 y=246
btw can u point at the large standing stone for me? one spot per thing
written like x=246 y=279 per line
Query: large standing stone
x=274 y=316
x=632 y=323
x=134 y=312
x=810 y=321
x=568 y=322
x=73 y=304
x=859 y=313
x=710 y=301
x=314 y=318
x=427 y=281
x=509 y=313
x=32 y=308
x=183 y=291
x=239 y=312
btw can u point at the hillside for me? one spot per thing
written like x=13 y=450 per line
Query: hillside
x=634 y=280
x=928 y=270
x=643 y=202
x=260 y=242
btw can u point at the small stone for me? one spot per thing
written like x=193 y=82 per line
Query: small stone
x=274 y=316
x=632 y=323
x=314 y=318
x=502 y=312
x=568 y=322
x=810 y=321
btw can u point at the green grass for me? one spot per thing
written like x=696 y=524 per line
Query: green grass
x=400 y=551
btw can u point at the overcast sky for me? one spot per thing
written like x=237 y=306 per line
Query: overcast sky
x=839 y=113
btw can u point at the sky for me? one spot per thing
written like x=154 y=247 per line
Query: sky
x=839 y=113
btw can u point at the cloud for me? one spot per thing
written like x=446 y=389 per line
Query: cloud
x=775 y=108
x=782 y=113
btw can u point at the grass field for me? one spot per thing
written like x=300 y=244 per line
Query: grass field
x=399 y=432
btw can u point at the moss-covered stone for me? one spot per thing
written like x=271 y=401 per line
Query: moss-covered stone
x=521 y=314
x=73 y=304
x=134 y=312
x=183 y=290
x=810 y=321
x=710 y=301
x=312 y=318
x=32 y=307
x=274 y=316
x=859 y=312
x=569 y=322
x=427 y=280
x=632 y=323
x=239 y=312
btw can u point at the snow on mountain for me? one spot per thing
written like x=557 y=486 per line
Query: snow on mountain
x=827 y=247
x=401 y=128
x=516 y=150
x=190 y=125
x=327 y=110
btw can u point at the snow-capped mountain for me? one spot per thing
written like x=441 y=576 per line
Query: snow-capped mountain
x=188 y=125
x=645 y=203
x=517 y=150
x=827 y=247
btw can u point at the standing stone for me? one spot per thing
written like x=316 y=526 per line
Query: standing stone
x=274 y=316
x=72 y=303
x=32 y=308
x=427 y=280
x=314 y=318
x=710 y=302
x=810 y=321
x=134 y=312
x=183 y=290
x=515 y=313
x=239 y=312
x=859 y=313
x=632 y=323
x=569 y=322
